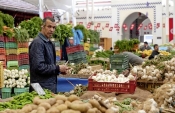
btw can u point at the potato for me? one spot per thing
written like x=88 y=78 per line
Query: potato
x=37 y=100
x=10 y=111
x=41 y=110
x=34 y=111
x=96 y=104
x=51 y=101
x=45 y=105
x=2 y=112
x=73 y=98
x=61 y=107
x=109 y=111
x=67 y=103
x=93 y=110
x=61 y=97
x=78 y=107
x=53 y=110
x=60 y=102
x=27 y=108
x=34 y=106
x=78 y=102
x=70 y=111
x=88 y=105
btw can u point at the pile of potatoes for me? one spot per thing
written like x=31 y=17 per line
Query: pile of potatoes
x=63 y=104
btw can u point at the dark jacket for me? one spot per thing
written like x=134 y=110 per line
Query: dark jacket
x=42 y=59
x=153 y=54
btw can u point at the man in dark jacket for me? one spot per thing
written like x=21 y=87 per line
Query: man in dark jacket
x=154 y=52
x=145 y=47
x=42 y=58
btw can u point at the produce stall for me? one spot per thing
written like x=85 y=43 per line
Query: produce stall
x=103 y=82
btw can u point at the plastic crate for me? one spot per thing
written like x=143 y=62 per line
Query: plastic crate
x=12 y=64
x=23 y=50
x=6 y=92
x=23 y=62
x=57 y=44
x=57 y=58
x=77 y=55
x=7 y=39
x=18 y=91
x=77 y=61
x=10 y=45
x=23 y=45
x=12 y=57
x=27 y=89
x=2 y=39
x=128 y=87
x=24 y=67
x=2 y=51
x=57 y=53
x=74 y=49
x=2 y=57
x=11 y=52
x=23 y=56
x=2 y=44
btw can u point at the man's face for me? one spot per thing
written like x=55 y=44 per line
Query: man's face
x=49 y=28
x=145 y=45
x=156 y=48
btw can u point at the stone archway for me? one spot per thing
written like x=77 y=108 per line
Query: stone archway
x=136 y=18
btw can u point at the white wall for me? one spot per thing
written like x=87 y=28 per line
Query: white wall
x=145 y=23
x=120 y=10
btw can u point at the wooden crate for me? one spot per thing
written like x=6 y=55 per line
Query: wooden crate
x=149 y=85
x=1 y=75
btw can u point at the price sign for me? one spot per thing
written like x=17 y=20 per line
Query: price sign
x=38 y=88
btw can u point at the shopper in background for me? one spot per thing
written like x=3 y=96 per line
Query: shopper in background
x=145 y=47
x=133 y=59
x=154 y=52
x=42 y=58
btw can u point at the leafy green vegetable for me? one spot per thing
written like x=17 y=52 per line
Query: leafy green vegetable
x=62 y=32
x=123 y=107
x=33 y=26
x=21 y=35
x=21 y=100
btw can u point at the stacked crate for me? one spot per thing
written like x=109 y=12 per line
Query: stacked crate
x=57 y=48
x=23 y=56
x=11 y=53
x=2 y=51
x=76 y=54
x=119 y=62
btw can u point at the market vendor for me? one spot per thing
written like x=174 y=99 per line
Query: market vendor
x=42 y=58
x=145 y=47
x=133 y=59
x=154 y=52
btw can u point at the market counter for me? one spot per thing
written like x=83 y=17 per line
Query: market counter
x=64 y=84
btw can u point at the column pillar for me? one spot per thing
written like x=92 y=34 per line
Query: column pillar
x=67 y=17
x=167 y=21
x=174 y=21
x=87 y=11
x=92 y=3
x=41 y=9
x=74 y=13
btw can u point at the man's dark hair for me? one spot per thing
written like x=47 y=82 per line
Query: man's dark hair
x=146 y=43
x=48 y=18
x=155 y=45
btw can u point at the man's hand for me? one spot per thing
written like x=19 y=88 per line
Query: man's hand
x=63 y=68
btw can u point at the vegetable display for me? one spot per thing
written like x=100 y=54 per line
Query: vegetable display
x=21 y=100
x=111 y=76
x=15 y=78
